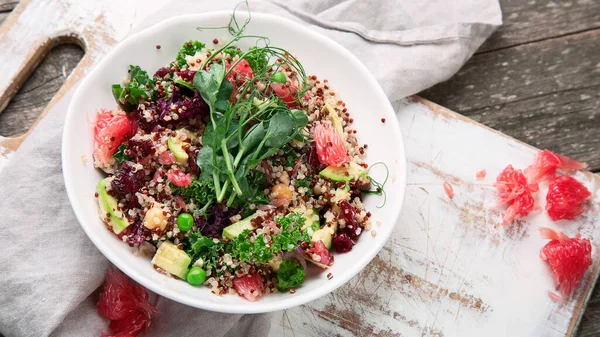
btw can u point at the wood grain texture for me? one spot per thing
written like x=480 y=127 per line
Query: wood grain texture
x=7 y=5
x=533 y=20
x=39 y=89
x=544 y=93
x=450 y=268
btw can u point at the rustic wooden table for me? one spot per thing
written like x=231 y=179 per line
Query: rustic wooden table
x=536 y=79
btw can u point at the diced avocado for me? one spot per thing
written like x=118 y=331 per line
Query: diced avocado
x=189 y=133
x=325 y=234
x=235 y=229
x=176 y=146
x=109 y=208
x=335 y=120
x=342 y=194
x=312 y=217
x=342 y=173
x=172 y=259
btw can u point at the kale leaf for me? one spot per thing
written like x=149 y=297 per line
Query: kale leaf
x=291 y=233
x=209 y=250
x=139 y=88
x=290 y=275
x=200 y=191
x=243 y=249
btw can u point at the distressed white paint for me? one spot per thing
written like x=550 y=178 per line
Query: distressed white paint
x=446 y=271
x=443 y=250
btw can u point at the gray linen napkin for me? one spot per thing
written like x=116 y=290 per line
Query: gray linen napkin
x=50 y=270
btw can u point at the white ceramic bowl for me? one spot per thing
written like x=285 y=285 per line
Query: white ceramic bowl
x=320 y=56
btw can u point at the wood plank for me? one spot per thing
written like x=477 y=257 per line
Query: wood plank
x=7 y=5
x=526 y=21
x=39 y=89
x=590 y=324
x=3 y=16
x=449 y=268
x=544 y=93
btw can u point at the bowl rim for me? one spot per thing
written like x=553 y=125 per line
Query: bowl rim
x=252 y=307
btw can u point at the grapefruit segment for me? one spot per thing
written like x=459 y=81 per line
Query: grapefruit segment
x=565 y=198
x=546 y=163
x=126 y=304
x=110 y=130
x=568 y=258
x=319 y=254
x=179 y=178
x=249 y=286
x=515 y=192
x=330 y=146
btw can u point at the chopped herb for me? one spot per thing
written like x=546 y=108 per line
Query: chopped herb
x=306 y=184
x=139 y=88
x=290 y=275
x=232 y=51
x=189 y=48
x=120 y=155
x=199 y=191
x=198 y=246
x=257 y=58
x=302 y=183
x=291 y=233
x=258 y=252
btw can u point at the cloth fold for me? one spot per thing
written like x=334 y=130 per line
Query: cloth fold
x=50 y=271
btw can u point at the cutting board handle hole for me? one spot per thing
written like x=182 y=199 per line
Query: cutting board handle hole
x=49 y=65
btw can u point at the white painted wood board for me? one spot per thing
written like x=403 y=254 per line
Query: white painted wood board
x=450 y=268
x=447 y=271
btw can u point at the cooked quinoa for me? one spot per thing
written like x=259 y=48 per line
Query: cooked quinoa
x=240 y=216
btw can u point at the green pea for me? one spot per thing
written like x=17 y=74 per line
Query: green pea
x=278 y=77
x=185 y=221
x=196 y=276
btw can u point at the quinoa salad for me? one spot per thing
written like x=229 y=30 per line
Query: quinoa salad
x=231 y=168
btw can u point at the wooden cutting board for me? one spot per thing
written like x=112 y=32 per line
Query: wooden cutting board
x=449 y=269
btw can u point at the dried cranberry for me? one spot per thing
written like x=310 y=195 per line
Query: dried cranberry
x=139 y=149
x=187 y=75
x=133 y=203
x=144 y=124
x=184 y=107
x=137 y=234
x=128 y=179
x=342 y=243
x=162 y=72
x=348 y=213
x=313 y=159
